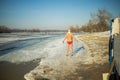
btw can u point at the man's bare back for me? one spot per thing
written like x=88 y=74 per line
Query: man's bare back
x=69 y=37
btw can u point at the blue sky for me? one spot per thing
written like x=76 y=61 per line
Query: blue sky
x=52 y=14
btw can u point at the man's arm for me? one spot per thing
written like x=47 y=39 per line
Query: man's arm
x=64 y=38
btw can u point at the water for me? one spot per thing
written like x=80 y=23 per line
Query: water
x=23 y=47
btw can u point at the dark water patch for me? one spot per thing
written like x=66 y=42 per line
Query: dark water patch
x=8 y=48
x=13 y=71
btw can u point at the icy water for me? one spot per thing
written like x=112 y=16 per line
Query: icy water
x=22 y=47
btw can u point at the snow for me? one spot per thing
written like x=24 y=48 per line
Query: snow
x=57 y=60
x=51 y=51
x=16 y=49
x=102 y=34
x=9 y=37
x=28 y=50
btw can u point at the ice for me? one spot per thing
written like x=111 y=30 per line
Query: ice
x=21 y=47
x=8 y=37
x=48 y=47
x=57 y=61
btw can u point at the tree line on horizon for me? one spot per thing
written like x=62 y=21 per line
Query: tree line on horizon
x=5 y=29
x=99 y=22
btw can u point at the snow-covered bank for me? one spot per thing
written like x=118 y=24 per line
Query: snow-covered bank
x=102 y=34
x=98 y=45
x=56 y=66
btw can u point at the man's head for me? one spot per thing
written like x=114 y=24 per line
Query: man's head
x=69 y=30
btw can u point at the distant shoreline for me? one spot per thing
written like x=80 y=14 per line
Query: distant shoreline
x=4 y=29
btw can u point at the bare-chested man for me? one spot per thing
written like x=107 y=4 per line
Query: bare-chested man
x=69 y=37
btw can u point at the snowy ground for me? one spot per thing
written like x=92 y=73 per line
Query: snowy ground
x=88 y=53
x=54 y=65
x=23 y=47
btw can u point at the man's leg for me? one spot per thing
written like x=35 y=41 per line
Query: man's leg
x=71 y=49
x=67 y=46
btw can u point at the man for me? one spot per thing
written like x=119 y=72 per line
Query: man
x=69 y=37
